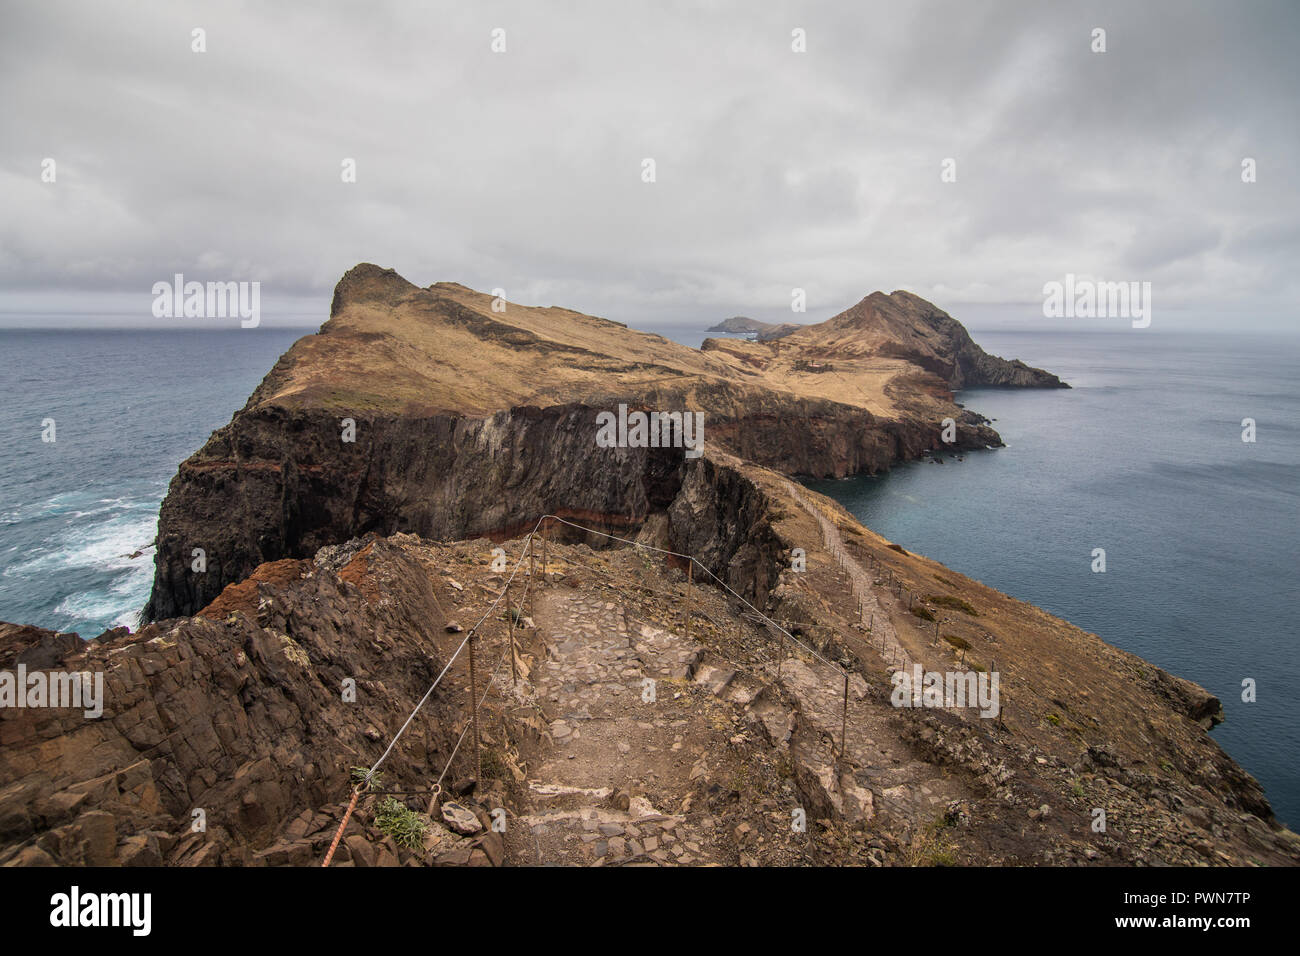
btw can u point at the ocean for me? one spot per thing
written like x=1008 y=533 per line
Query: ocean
x=1143 y=457
x=78 y=515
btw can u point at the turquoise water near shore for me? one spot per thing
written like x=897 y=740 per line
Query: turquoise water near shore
x=1142 y=457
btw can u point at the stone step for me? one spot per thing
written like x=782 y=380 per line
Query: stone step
x=725 y=681
x=665 y=654
x=744 y=689
x=546 y=790
x=717 y=678
x=640 y=812
x=774 y=717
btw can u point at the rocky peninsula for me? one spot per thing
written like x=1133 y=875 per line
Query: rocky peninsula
x=375 y=495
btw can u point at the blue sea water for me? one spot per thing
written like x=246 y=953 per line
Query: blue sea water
x=1142 y=457
x=128 y=407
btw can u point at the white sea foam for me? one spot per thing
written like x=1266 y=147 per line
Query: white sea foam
x=104 y=547
x=95 y=607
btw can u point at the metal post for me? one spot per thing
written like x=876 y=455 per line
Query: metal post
x=510 y=638
x=545 y=537
x=473 y=694
x=690 y=578
x=844 y=720
x=993 y=666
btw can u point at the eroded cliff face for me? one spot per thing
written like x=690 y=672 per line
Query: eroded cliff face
x=280 y=483
x=469 y=421
x=277 y=484
x=331 y=561
x=241 y=712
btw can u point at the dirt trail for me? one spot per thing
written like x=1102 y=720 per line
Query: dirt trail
x=645 y=723
x=883 y=633
x=879 y=774
x=615 y=693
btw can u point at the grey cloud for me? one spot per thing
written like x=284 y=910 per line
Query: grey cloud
x=775 y=169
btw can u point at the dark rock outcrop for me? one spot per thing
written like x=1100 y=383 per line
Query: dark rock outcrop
x=239 y=713
x=34 y=647
x=468 y=421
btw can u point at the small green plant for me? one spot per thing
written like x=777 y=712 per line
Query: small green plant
x=929 y=847
x=924 y=613
x=494 y=764
x=956 y=603
x=1076 y=788
x=400 y=822
x=1054 y=720
x=958 y=643
x=359 y=777
x=784 y=767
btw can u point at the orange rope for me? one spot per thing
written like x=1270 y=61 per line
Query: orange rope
x=342 y=826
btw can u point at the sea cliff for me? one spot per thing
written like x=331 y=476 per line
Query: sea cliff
x=396 y=471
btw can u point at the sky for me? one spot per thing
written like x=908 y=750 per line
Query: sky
x=774 y=169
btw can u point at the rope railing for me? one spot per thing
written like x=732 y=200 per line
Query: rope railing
x=469 y=636
x=468 y=641
x=687 y=557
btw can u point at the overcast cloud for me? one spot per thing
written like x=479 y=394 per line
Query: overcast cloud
x=775 y=169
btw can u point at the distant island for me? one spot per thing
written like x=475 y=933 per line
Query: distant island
x=761 y=331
